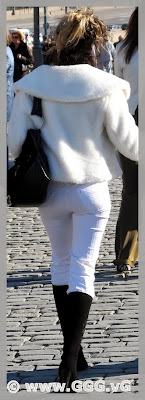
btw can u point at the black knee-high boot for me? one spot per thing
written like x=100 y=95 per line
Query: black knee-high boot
x=79 y=306
x=62 y=306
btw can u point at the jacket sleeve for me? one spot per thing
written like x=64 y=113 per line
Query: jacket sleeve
x=118 y=69
x=120 y=125
x=8 y=62
x=19 y=123
x=27 y=57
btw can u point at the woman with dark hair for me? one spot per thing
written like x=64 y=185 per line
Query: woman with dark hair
x=126 y=240
x=85 y=118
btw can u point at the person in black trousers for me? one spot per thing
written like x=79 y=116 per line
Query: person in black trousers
x=126 y=239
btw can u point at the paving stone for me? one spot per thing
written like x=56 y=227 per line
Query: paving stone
x=13 y=325
x=39 y=322
x=119 y=318
x=44 y=342
x=26 y=347
x=125 y=330
x=100 y=359
x=130 y=336
x=118 y=354
x=122 y=349
x=43 y=362
x=33 y=357
x=20 y=368
x=123 y=358
x=107 y=345
x=45 y=337
x=44 y=352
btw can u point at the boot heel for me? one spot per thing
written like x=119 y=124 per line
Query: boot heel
x=66 y=376
x=81 y=363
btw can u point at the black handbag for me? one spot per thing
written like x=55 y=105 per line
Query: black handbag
x=28 y=179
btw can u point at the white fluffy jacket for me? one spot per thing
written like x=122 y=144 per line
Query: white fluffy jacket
x=86 y=118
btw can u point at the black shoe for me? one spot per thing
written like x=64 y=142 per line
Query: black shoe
x=81 y=363
x=63 y=309
x=73 y=310
x=67 y=376
x=124 y=269
x=79 y=306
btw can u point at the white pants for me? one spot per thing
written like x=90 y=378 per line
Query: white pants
x=75 y=217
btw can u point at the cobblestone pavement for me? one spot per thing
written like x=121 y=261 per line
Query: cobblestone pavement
x=34 y=339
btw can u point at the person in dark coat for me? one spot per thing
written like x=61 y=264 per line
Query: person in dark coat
x=46 y=43
x=126 y=237
x=120 y=38
x=23 y=56
x=47 y=47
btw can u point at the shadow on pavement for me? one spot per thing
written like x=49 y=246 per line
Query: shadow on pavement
x=105 y=273
x=95 y=372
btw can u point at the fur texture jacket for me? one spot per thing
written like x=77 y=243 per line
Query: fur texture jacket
x=85 y=119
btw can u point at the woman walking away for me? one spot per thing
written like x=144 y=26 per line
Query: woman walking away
x=126 y=239
x=86 y=118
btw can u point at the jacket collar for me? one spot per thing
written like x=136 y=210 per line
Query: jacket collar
x=73 y=83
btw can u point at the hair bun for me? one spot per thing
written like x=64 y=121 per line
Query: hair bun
x=75 y=26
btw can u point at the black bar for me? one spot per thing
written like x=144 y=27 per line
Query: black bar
x=37 y=46
x=45 y=21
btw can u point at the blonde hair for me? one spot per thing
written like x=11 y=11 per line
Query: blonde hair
x=78 y=30
x=105 y=33
x=19 y=33
x=8 y=37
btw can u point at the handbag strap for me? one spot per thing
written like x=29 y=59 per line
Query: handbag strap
x=37 y=107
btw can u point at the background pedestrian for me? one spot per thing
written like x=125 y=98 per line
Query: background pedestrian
x=23 y=56
x=10 y=75
x=106 y=52
x=120 y=38
x=126 y=67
